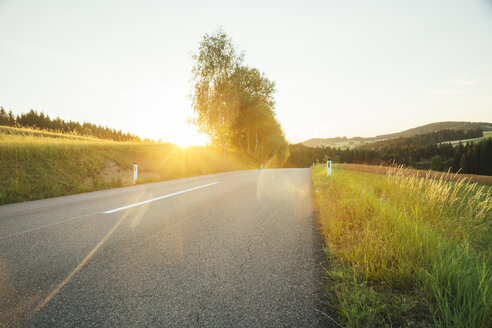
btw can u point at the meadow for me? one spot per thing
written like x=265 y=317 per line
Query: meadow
x=406 y=251
x=37 y=164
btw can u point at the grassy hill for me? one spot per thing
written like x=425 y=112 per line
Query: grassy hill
x=434 y=127
x=344 y=142
x=37 y=164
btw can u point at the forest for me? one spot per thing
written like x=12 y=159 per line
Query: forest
x=425 y=151
x=41 y=121
x=393 y=144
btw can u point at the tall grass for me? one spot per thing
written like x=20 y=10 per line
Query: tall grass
x=35 y=165
x=379 y=169
x=407 y=251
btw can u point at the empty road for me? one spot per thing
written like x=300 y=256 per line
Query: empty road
x=236 y=249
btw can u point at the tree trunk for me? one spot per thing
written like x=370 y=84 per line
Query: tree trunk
x=256 y=145
x=248 y=142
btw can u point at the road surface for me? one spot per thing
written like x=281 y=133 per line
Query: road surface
x=236 y=249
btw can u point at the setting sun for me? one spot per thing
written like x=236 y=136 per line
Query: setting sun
x=190 y=138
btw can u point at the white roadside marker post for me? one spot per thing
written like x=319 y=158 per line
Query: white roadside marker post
x=261 y=167
x=328 y=168
x=135 y=173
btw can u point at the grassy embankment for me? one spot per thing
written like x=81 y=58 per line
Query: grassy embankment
x=406 y=251
x=36 y=165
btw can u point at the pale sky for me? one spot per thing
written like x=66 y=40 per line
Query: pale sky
x=342 y=68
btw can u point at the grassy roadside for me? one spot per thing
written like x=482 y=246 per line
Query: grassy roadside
x=36 y=165
x=406 y=251
x=428 y=174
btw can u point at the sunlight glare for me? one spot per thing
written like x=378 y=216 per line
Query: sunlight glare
x=163 y=113
x=188 y=137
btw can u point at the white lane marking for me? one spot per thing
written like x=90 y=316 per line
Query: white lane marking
x=154 y=199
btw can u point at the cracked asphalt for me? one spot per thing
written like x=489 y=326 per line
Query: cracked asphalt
x=244 y=252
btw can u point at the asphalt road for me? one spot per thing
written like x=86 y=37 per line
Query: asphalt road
x=237 y=249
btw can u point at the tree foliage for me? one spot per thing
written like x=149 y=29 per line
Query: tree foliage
x=213 y=100
x=234 y=103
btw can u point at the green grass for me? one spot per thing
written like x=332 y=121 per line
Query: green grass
x=406 y=251
x=36 y=165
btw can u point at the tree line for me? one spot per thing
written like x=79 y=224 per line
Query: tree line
x=234 y=103
x=473 y=158
x=424 y=139
x=41 y=121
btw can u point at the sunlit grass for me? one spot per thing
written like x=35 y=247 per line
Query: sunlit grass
x=13 y=136
x=37 y=165
x=380 y=169
x=407 y=251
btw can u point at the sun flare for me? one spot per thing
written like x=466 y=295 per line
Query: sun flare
x=188 y=139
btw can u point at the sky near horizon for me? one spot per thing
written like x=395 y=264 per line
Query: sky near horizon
x=342 y=68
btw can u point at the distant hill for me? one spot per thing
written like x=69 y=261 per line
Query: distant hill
x=432 y=127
